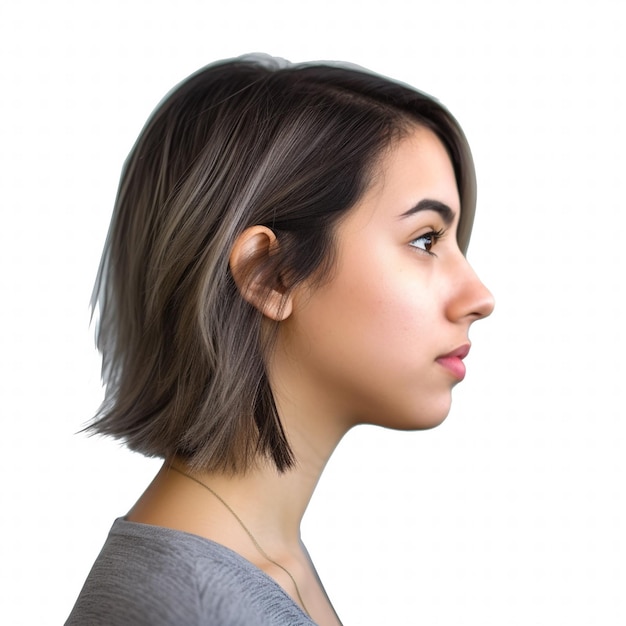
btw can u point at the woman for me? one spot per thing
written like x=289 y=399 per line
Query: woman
x=285 y=261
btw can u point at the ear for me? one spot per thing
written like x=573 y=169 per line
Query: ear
x=251 y=250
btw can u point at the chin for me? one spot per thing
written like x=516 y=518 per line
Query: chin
x=430 y=416
x=410 y=413
x=422 y=420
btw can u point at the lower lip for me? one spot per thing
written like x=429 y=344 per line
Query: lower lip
x=454 y=365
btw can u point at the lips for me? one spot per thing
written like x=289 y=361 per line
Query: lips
x=453 y=361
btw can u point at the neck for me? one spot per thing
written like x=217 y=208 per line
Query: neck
x=270 y=504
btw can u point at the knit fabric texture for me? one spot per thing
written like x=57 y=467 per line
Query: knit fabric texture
x=158 y=576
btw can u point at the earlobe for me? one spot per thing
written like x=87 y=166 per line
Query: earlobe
x=249 y=256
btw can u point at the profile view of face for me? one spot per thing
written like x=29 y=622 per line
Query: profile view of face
x=381 y=340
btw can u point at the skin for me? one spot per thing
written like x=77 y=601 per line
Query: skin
x=360 y=348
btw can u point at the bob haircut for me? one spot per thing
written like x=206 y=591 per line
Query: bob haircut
x=247 y=141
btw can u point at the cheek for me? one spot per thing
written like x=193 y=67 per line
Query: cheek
x=387 y=319
x=369 y=341
x=389 y=311
x=390 y=339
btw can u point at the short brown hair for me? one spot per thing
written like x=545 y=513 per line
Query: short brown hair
x=242 y=142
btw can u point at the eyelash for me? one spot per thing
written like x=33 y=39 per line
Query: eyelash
x=434 y=236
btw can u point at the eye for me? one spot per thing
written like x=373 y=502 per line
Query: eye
x=426 y=241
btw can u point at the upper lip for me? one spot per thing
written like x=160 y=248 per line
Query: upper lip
x=460 y=353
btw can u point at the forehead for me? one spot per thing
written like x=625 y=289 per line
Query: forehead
x=415 y=167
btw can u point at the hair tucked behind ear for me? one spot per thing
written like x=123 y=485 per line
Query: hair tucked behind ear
x=244 y=142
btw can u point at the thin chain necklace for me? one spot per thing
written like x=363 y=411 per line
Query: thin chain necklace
x=245 y=528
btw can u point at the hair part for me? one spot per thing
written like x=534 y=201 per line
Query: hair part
x=250 y=141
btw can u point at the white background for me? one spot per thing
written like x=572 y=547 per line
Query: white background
x=512 y=512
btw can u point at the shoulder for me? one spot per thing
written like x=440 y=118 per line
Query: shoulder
x=151 y=575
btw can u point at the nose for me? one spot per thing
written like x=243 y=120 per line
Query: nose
x=470 y=298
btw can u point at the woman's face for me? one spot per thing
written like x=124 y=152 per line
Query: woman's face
x=370 y=344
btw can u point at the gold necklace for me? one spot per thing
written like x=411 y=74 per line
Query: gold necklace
x=245 y=528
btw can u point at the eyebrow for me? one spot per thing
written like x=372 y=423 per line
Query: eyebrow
x=447 y=214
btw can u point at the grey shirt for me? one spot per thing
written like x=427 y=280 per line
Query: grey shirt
x=158 y=576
